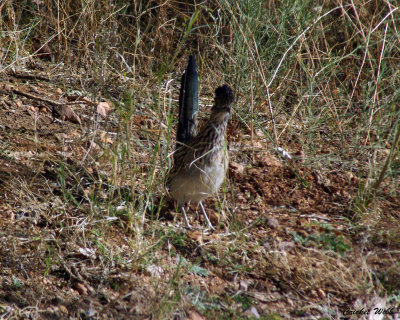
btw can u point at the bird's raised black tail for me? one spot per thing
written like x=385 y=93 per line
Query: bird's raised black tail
x=188 y=104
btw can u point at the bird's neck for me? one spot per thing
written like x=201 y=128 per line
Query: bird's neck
x=219 y=118
x=217 y=123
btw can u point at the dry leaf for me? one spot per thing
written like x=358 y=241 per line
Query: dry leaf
x=104 y=108
x=18 y=102
x=81 y=288
x=196 y=236
x=87 y=100
x=193 y=315
x=213 y=236
x=68 y=114
x=105 y=138
x=268 y=160
x=257 y=144
x=94 y=146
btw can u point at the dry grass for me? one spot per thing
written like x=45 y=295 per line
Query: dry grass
x=86 y=229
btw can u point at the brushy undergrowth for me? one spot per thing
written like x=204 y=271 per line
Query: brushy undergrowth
x=320 y=79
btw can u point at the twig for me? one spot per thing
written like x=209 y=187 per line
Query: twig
x=52 y=102
x=24 y=75
x=32 y=96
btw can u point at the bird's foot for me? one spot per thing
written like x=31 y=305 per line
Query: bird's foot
x=209 y=224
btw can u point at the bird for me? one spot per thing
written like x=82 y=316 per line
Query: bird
x=200 y=159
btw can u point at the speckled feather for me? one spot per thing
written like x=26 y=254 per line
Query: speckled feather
x=200 y=166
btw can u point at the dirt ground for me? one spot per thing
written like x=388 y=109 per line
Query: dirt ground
x=286 y=245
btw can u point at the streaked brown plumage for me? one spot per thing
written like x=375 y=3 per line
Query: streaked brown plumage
x=200 y=165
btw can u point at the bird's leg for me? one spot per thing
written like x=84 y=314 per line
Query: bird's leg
x=185 y=217
x=206 y=216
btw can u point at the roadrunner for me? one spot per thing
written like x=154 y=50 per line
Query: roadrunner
x=200 y=161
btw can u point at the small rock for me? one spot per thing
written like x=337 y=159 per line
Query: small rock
x=237 y=167
x=63 y=309
x=59 y=91
x=154 y=270
x=244 y=285
x=193 y=315
x=321 y=293
x=286 y=246
x=81 y=288
x=267 y=245
x=272 y=222
x=87 y=252
x=18 y=102
x=91 y=312
x=252 y=311
x=283 y=153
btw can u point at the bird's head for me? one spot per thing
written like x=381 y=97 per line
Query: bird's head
x=223 y=99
